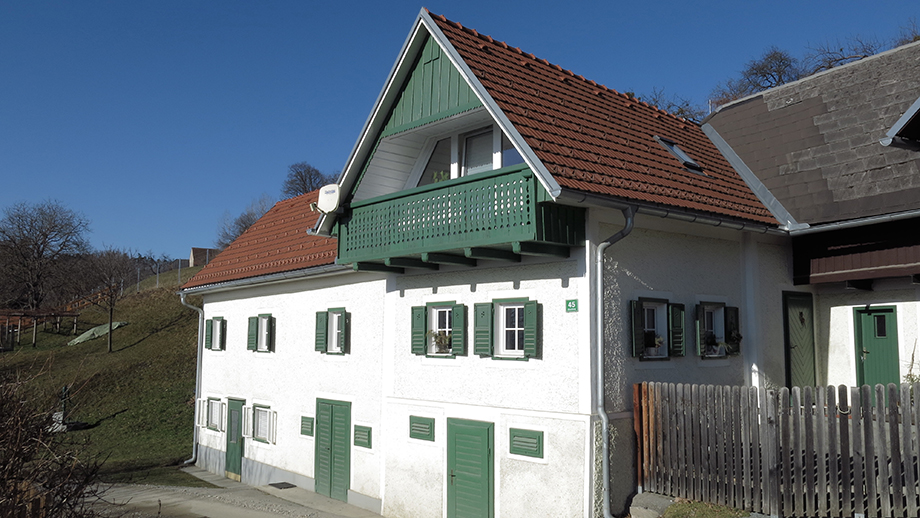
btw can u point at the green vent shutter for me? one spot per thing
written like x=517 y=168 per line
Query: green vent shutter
x=306 y=426
x=732 y=328
x=419 y=328
x=482 y=329
x=363 y=436
x=207 y=333
x=253 y=337
x=421 y=428
x=526 y=442
x=531 y=329
x=638 y=328
x=700 y=342
x=676 y=317
x=322 y=325
x=345 y=335
x=458 y=330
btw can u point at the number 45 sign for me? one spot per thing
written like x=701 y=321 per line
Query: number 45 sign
x=571 y=306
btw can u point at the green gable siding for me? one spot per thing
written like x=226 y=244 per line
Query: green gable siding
x=434 y=90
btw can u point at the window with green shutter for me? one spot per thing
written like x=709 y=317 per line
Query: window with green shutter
x=421 y=428
x=526 y=442
x=718 y=330
x=363 y=436
x=508 y=329
x=438 y=329
x=208 y=335
x=657 y=328
x=261 y=333
x=333 y=331
x=215 y=334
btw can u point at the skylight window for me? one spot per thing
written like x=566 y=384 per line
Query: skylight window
x=680 y=154
x=906 y=132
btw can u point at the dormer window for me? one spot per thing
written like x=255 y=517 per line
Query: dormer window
x=680 y=154
x=464 y=153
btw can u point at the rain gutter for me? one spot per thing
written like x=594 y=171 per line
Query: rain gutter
x=200 y=311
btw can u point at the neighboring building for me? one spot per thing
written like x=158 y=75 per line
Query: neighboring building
x=840 y=150
x=451 y=341
x=202 y=256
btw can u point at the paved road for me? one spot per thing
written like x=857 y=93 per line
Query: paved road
x=229 y=500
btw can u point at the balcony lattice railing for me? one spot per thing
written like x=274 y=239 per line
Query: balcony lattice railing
x=484 y=210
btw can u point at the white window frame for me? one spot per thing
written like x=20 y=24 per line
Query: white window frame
x=457 y=152
x=434 y=328
x=216 y=332
x=659 y=326
x=501 y=326
x=335 y=326
x=263 y=336
x=714 y=322
x=216 y=414
x=264 y=424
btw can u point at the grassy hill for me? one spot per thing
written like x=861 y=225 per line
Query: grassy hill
x=138 y=400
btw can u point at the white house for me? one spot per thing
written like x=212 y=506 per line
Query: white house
x=512 y=246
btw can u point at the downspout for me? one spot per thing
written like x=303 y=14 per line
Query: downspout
x=629 y=214
x=200 y=311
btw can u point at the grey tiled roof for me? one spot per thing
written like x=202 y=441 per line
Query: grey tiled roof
x=815 y=144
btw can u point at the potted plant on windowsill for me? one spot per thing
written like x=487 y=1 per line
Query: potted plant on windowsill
x=441 y=341
x=653 y=345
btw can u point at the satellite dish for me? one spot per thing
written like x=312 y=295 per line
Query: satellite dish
x=328 y=198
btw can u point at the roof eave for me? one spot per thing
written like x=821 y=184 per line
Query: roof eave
x=272 y=278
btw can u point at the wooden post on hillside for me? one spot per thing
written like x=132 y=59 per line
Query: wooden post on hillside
x=34 y=331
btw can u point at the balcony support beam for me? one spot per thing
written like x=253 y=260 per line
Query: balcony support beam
x=491 y=253
x=540 y=249
x=408 y=262
x=375 y=267
x=448 y=259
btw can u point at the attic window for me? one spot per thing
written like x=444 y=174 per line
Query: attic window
x=906 y=132
x=680 y=154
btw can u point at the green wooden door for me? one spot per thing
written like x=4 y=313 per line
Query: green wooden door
x=234 y=460
x=800 y=340
x=333 y=449
x=877 y=346
x=470 y=485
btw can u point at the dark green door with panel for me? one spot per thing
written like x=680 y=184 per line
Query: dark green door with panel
x=333 y=449
x=877 y=346
x=800 y=340
x=234 y=459
x=470 y=483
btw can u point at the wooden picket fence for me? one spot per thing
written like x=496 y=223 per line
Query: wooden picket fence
x=813 y=452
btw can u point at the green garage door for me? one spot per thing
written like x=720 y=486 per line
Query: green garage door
x=333 y=449
x=469 y=469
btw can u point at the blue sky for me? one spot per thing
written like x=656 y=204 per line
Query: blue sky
x=156 y=118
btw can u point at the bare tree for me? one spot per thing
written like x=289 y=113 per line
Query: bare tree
x=110 y=269
x=675 y=105
x=775 y=67
x=303 y=178
x=910 y=32
x=829 y=55
x=38 y=467
x=230 y=229
x=33 y=241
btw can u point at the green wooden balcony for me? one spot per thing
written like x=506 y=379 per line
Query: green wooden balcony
x=502 y=215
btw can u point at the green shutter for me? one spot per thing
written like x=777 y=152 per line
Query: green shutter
x=526 y=442
x=421 y=428
x=482 y=329
x=531 y=329
x=322 y=326
x=207 y=333
x=252 y=339
x=363 y=436
x=676 y=317
x=345 y=335
x=270 y=332
x=306 y=426
x=638 y=328
x=700 y=315
x=732 y=328
x=458 y=330
x=419 y=328
x=223 y=335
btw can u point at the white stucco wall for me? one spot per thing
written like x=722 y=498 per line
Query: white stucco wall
x=836 y=331
x=291 y=378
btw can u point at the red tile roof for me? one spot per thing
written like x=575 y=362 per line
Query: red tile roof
x=594 y=139
x=278 y=242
